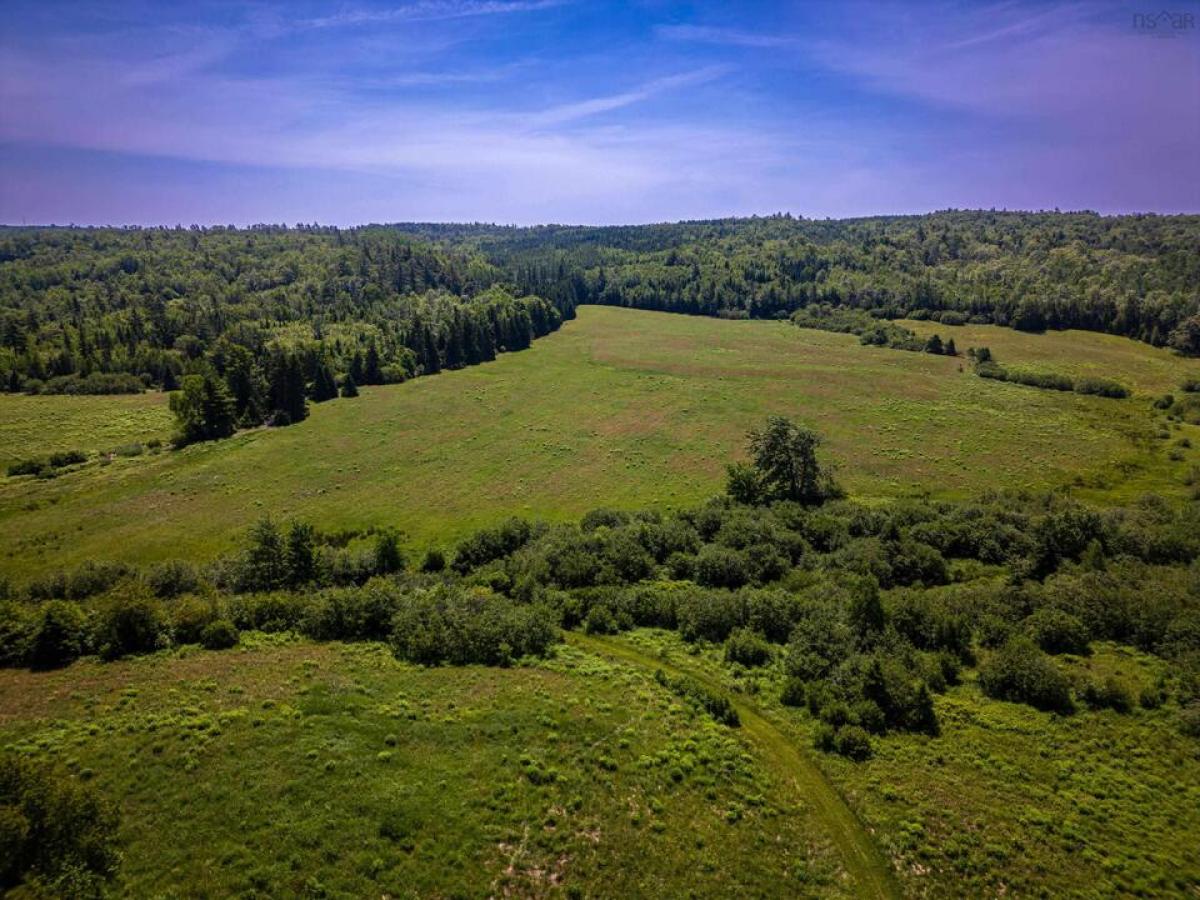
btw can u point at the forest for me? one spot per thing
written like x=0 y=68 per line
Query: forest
x=108 y=310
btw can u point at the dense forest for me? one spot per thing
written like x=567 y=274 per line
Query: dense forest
x=272 y=314
x=269 y=316
x=1137 y=276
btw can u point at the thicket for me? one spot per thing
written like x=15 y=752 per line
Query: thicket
x=987 y=367
x=58 y=837
x=864 y=613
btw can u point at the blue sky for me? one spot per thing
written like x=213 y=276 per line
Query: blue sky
x=573 y=111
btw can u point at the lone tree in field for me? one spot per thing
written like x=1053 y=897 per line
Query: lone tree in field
x=785 y=467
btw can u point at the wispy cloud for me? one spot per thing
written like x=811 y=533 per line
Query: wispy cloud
x=731 y=37
x=570 y=112
x=428 y=11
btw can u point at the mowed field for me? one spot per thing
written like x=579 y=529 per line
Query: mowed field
x=620 y=408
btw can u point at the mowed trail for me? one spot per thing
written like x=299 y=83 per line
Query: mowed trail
x=863 y=860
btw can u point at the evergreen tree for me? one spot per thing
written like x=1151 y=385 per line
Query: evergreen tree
x=372 y=371
x=349 y=388
x=288 y=402
x=301 y=559
x=203 y=409
x=324 y=385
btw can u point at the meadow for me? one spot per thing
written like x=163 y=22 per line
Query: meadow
x=1007 y=799
x=619 y=408
x=347 y=773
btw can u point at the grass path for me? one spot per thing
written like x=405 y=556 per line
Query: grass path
x=867 y=866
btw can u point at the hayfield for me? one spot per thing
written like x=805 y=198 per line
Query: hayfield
x=620 y=408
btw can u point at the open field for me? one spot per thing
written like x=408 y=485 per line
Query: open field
x=1007 y=799
x=37 y=426
x=620 y=408
x=348 y=773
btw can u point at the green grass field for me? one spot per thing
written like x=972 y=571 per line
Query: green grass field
x=297 y=769
x=38 y=426
x=1007 y=799
x=620 y=408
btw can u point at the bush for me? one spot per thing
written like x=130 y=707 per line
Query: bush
x=67 y=458
x=55 y=833
x=1056 y=631
x=708 y=615
x=130 y=620
x=1019 y=672
x=27 y=467
x=1101 y=387
x=59 y=636
x=434 y=561
x=172 y=578
x=461 y=627
x=793 y=693
x=1109 y=694
x=747 y=648
x=353 y=614
x=15 y=628
x=716 y=705
x=721 y=567
x=491 y=544
x=190 y=615
x=852 y=742
x=220 y=634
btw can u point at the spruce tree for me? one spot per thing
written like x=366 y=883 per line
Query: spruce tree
x=349 y=388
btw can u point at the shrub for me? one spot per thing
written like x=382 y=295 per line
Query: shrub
x=220 y=634
x=1056 y=631
x=388 y=557
x=15 y=629
x=172 y=578
x=721 y=567
x=26 y=467
x=852 y=742
x=434 y=561
x=130 y=620
x=707 y=615
x=67 y=458
x=747 y=648
x=793 y=693
x=55 y=832
x=1101 y=387
x=492 y=543
x=1190 y=386
x=190 y=615
x=1109 y=694
x=716 y=705
x=461 y=627
x=354 y=613
x=1019 y=672
x=59 y=635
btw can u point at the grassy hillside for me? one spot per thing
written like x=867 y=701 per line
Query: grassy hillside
x=37 y=426
x=620 y=408
x=350 y=774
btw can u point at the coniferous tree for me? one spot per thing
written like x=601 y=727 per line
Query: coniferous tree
x=288 y=402
x=203 y=408
x=324 y=384
x=372 y=370
x=349 y=388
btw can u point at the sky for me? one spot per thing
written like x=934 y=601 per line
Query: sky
x=576 y=111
